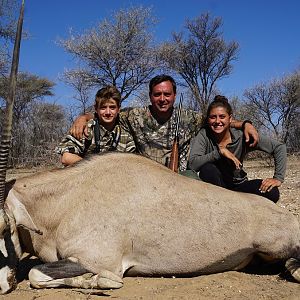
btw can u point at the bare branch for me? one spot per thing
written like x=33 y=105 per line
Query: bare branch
x=202 y=58
x=118 y=51
x=278 y=106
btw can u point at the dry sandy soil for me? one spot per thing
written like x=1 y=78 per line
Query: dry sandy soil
x=264 y=282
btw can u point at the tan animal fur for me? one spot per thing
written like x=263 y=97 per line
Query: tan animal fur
x=129 y=215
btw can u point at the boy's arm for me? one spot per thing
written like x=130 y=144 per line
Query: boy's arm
x=249 y=130
x=79 y=128
x=70 y=158
x=70 y=150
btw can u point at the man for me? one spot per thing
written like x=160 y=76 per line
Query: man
x=104 y=131
x=153 y=127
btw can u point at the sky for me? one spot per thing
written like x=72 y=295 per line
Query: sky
x=268 y=32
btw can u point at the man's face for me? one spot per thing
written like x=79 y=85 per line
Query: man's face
x=108 y=113
x=163 y=97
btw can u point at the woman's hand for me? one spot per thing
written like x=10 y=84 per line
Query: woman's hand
x=268 y=183
x=226 y=153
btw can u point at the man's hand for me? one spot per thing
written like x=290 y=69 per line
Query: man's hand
x=268 y=183
x=226 y=153
x=251 y=134
x=79 y=128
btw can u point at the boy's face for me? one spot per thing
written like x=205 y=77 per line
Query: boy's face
x=108 y=112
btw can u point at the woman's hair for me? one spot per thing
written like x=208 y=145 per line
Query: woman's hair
x=219 y=101
x=107 y=93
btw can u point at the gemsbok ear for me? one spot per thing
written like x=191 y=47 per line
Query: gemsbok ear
x=21 y=215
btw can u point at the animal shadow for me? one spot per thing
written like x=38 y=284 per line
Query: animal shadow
x=259 y=266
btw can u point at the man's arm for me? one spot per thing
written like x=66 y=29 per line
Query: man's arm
x=79 y=128
x=249 y=130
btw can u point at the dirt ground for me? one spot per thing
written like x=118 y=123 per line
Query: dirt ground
x=263 y=283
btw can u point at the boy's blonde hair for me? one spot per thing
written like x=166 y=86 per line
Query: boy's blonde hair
x=106 y=93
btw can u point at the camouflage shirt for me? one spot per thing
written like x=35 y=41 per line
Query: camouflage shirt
x=119 y=139
x=155 y=140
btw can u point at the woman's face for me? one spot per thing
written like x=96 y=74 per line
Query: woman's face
x=219 y=120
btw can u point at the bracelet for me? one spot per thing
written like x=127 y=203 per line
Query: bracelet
x=244 y=123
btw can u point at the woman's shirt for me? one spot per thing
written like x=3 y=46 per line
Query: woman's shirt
x=205 y=149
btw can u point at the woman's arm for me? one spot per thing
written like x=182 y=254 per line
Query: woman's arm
x=199 y=156
x=228 y=154
x=278 y=151
x=202 y=151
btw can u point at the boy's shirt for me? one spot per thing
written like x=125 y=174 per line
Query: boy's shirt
x=119 y=139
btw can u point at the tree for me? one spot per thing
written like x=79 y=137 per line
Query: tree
x=30 y=88
x=44 y=133
x=31 y=91
x=288 y=105
x=7 y=19
x=7 y=32
x=278 y=105
x=82 y=86
x=117 y=52
x=240 y=110
x=200 y=56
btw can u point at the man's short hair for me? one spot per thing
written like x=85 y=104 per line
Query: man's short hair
x=106 y=93
x=159 y=79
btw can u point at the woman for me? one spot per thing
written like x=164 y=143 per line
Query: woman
x=218 y=151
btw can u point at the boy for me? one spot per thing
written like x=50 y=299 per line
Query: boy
x=105 y=133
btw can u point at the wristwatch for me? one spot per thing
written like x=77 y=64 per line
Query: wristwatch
x=244 y=123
